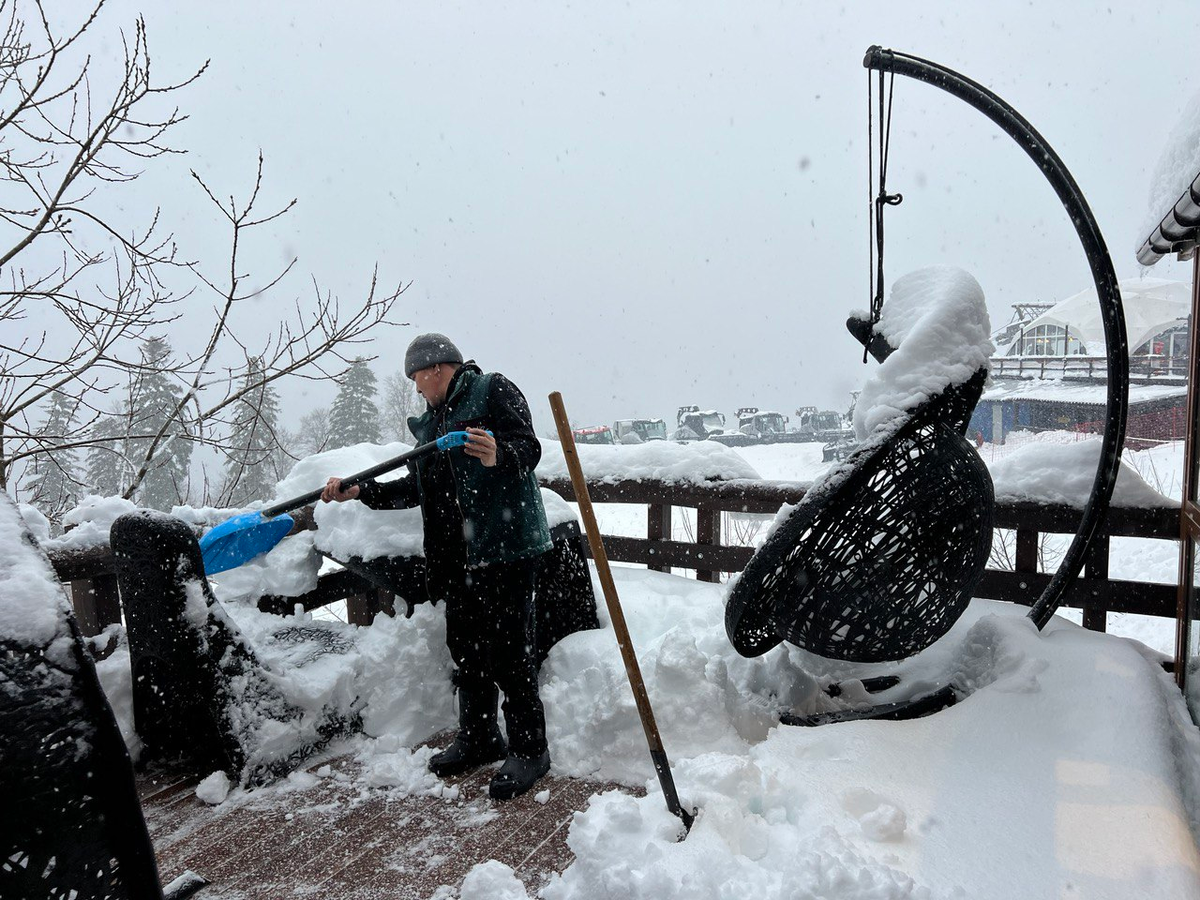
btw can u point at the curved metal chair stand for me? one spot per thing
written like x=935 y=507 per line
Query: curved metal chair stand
x=1103 y=277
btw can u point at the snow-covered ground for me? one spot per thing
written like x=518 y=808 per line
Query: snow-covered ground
x=1070 y=769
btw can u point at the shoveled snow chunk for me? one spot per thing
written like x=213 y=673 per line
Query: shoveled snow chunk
x=492 y=880
x=214 y=789
x=542 y=796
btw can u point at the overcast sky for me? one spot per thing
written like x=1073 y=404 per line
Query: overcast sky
x=653 y=204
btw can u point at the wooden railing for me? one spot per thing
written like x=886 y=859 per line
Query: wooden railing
x=1141 y=367
x=95 y=593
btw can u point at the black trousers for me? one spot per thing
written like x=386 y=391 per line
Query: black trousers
x=490 y=633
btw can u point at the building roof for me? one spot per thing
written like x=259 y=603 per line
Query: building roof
x=1053 y=390
x=1177 y=232
x=1151 y=306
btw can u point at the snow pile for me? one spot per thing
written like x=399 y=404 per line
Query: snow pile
x=288 y=569
x=937 y=320
x=492 y=880
x=1097 y=796
x=90 y=522
x=1177 y=167
x=312 y=472
x=33 y=607
x=1073 y=745
x=694 y=462
x=396 y=672
x=1045 y=472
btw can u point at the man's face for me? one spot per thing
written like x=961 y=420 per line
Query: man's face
x=432 y=383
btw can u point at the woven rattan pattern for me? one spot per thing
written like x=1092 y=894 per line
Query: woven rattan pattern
x=882 y=565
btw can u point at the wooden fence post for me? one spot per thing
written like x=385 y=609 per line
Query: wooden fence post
x=658 y=528
x=97 y=603
x=708 y=533
x=1096 y=617
x=1027 y=550
x=361 y=609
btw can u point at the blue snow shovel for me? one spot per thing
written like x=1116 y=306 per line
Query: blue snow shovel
x=240 y=539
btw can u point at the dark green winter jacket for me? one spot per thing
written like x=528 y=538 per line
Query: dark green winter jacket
x=496 y=512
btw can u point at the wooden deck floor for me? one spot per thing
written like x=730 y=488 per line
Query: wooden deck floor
x=339 y=840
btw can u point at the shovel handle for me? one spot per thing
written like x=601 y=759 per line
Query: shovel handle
x=445 y=442
x=658 y=755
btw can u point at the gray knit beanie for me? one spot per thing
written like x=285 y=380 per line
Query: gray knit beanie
x=427 y=350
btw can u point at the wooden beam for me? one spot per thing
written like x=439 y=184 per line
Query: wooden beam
x=1095 y=617
x=1116 y=596
x=708 y=537
x=658 y=529
x=97 y=603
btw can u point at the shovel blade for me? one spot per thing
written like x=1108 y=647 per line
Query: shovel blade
x=240 y=539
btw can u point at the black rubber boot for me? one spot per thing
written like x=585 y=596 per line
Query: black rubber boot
x=479 y=740
x=518 y=775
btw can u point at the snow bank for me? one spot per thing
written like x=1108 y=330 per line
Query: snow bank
x=90 y=522
x=313 y=471
x=937 y=319
x=1045 y=472
x=1072 y=745
x=1177 y=166
x=33 y=607
x=694 y=462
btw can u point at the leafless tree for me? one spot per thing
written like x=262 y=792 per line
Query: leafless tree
x=81 y=289
x=93 y=282
x=313 y=435
x=400 y=402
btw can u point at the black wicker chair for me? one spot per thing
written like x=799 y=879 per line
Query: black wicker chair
x=72 y=826
x=200 y=693
x=880 y=559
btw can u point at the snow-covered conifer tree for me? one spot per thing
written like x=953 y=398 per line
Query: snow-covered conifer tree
x=108 y=466
x=354 y=417
x=154 y=399
x=254 y=457
x=54 y=478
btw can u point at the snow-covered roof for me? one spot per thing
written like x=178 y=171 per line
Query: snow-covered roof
x=1173 y=215
x=1151 y=306
x=1052 y=390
